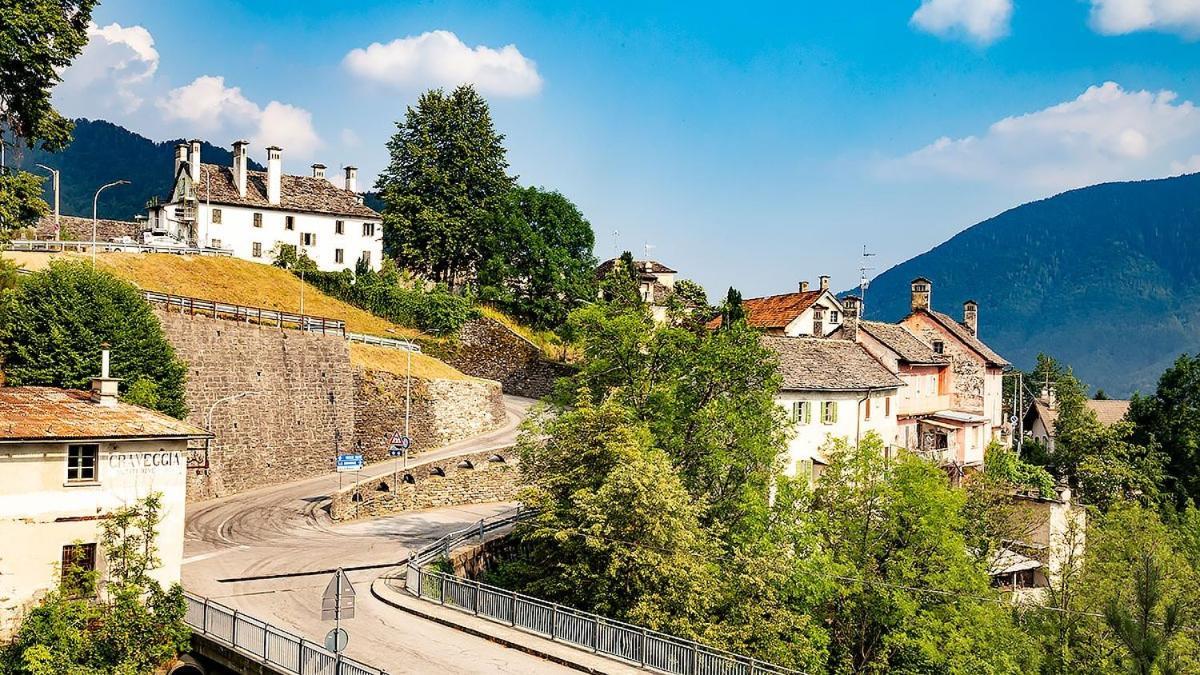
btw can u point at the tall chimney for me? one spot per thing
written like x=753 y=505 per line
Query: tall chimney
x=803 y=286
x=181 y=157
x=824 y=282
x=352 y=178
x=852 y=306
x=274 y=174
x=922 y=290
x=104 y=388
x=971 y=316
x=194 y=160
x=318 y=170
x=239 y=166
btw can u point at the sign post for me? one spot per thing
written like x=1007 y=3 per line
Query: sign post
x=398 y=448
x=337 y=603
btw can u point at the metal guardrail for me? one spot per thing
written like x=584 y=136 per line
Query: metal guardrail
x=391 y=343
x=59 y=246
x=632 y=644
x=259 y=315
x=278 y=649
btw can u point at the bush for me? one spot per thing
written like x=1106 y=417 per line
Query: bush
x=53 y=324
x=386 y=294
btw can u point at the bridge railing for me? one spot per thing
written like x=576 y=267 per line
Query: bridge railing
x=79 y=246
x=636 y=645
x=248 y=314
x=277 y=649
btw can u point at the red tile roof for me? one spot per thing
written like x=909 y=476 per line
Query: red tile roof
x=777 y=311
x=48 y=413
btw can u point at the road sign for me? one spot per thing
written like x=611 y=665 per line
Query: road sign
x=338 y=601
x=1013 y=419
x=401 y=441
x=336 y=639
x=349 y=462
x=395 y=451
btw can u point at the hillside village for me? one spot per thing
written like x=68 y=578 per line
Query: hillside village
x=281 y=424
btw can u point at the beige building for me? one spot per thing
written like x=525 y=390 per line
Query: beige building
x=67 y=460
x=656 y=281
x=1053 y=541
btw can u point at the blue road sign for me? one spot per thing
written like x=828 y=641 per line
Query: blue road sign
x=396 y=451
x=349 y=462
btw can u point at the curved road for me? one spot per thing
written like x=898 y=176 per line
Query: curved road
x=266 y=552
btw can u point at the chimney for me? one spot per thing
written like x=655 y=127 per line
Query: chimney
x=852 y=310
x=803 y=286
x=181 y=157
x=971 y=316
x=318 y=170
x=274 y=174
x=239 y=166
x=824 y=282
x=104 y=388
x=352 y=178
x=194 y=160
x=922 y=289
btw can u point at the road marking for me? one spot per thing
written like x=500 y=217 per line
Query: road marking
x=212 y=554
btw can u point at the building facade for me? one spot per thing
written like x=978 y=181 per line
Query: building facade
x=656 y=281
x=805 y=313
x=67 y=460
x=255 y=214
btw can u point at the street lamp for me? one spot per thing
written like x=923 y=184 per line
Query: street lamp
x=407 y=401
x=57 y=226
x=231 y=397
x=95 y=200
x=300 y=253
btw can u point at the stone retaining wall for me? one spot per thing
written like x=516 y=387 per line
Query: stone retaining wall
x=487 y=481
x=489 y=349
x=472 y=562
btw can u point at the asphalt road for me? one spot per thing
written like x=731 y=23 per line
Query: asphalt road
x=267 y=552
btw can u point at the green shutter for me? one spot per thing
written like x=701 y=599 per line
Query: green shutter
x=807 y=412
x=834 y=406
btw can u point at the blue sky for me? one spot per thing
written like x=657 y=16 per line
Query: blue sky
x=751 y=144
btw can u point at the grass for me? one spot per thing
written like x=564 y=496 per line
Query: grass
x=395 y=361
x=550 y=344
x=230 y=280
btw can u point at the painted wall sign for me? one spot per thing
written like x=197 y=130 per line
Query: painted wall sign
x=144 y=462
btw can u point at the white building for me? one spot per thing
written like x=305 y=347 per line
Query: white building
x=832 y=389
x=254 y=213
x=67 y=460
x=815 y=313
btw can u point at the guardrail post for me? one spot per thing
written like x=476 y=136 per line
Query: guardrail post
x=512 y=616
x=233 y=632
x=596 y=634
x=753 y=669
x=642 y=651
x=266 y=644
x=553 y=620
x=695 y=658
x=443 y=593
x=204 y=618
x=481 y=530
x=300 y=655
x=477 y=590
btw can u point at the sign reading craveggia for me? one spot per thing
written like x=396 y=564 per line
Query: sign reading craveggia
x=145 y=462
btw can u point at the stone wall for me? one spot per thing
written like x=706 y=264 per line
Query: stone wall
x=419 y=488
x=487 y=348
x=443 y=411
x=75 y=228
x=472 y=562
x=301 y=412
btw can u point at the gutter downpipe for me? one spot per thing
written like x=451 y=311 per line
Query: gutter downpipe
x=858 y=417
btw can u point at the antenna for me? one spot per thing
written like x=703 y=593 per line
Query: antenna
x=616 y=243
x=646 y=248
x=863 y=283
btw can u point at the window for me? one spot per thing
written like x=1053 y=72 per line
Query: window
x=801 y=412
x=258 y=220
x=804 y=469
x=339 y=227
x=338 y=256
x=834 y=317
x=829 y=412
x=289 y=222
x=77 y=560
x=216 y=216
x=939 y=347
x=81 y=463
x=308 y=239
x=867 y=409
x=215 y=243
x=256 y=249
x=368 y=229
x=366 y=258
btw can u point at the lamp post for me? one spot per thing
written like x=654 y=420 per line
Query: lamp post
x=407 y=404
x=57 y=226
x=300 y=254
x=95 y=201
x=231 y=397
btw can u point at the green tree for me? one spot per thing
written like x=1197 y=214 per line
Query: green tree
x=38 y=39
x=541 y=265
x=731 y=310
x=1171 y=419
x=687 y=305
x=52 y=327
x=134 y=627
x=288 y=257
x=444 y=186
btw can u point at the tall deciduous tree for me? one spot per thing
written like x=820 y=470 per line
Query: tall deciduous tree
x=1171 y=418
x=444 y=186
x=52 y=327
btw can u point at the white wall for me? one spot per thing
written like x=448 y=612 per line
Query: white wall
x=803 y=324
x=35 y=499
x=807 y=439
x=236 y=232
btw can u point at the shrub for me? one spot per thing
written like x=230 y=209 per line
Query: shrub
x=386 y=294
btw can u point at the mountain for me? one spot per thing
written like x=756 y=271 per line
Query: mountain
x=1105 y=278
x=102 y=152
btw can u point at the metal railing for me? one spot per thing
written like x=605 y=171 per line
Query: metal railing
x=277 y=649
x=632 y=644
x=259 y=315
x=58 y=246
x=391 y=343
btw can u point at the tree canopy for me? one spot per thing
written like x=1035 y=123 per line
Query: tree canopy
x=1171 y=418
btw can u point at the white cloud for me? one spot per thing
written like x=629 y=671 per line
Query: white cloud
x=1189 y=165
x=980 y=21
x=350 y=139
x=207 y=105
x=1118 y=17
x=1106 y=133
x=111 y=73
x=439 y=58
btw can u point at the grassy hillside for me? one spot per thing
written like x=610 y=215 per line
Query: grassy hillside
x=1105 y=278
x=395 y=361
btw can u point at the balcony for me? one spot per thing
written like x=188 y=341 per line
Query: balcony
x=923 y=405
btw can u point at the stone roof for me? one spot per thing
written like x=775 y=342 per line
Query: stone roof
x=49 y=413
x=80 y=228
x=655 y=267
x=1110 y=411
x=824 y=364
x=901 y=340
x=296 y=193
x=964 y=335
